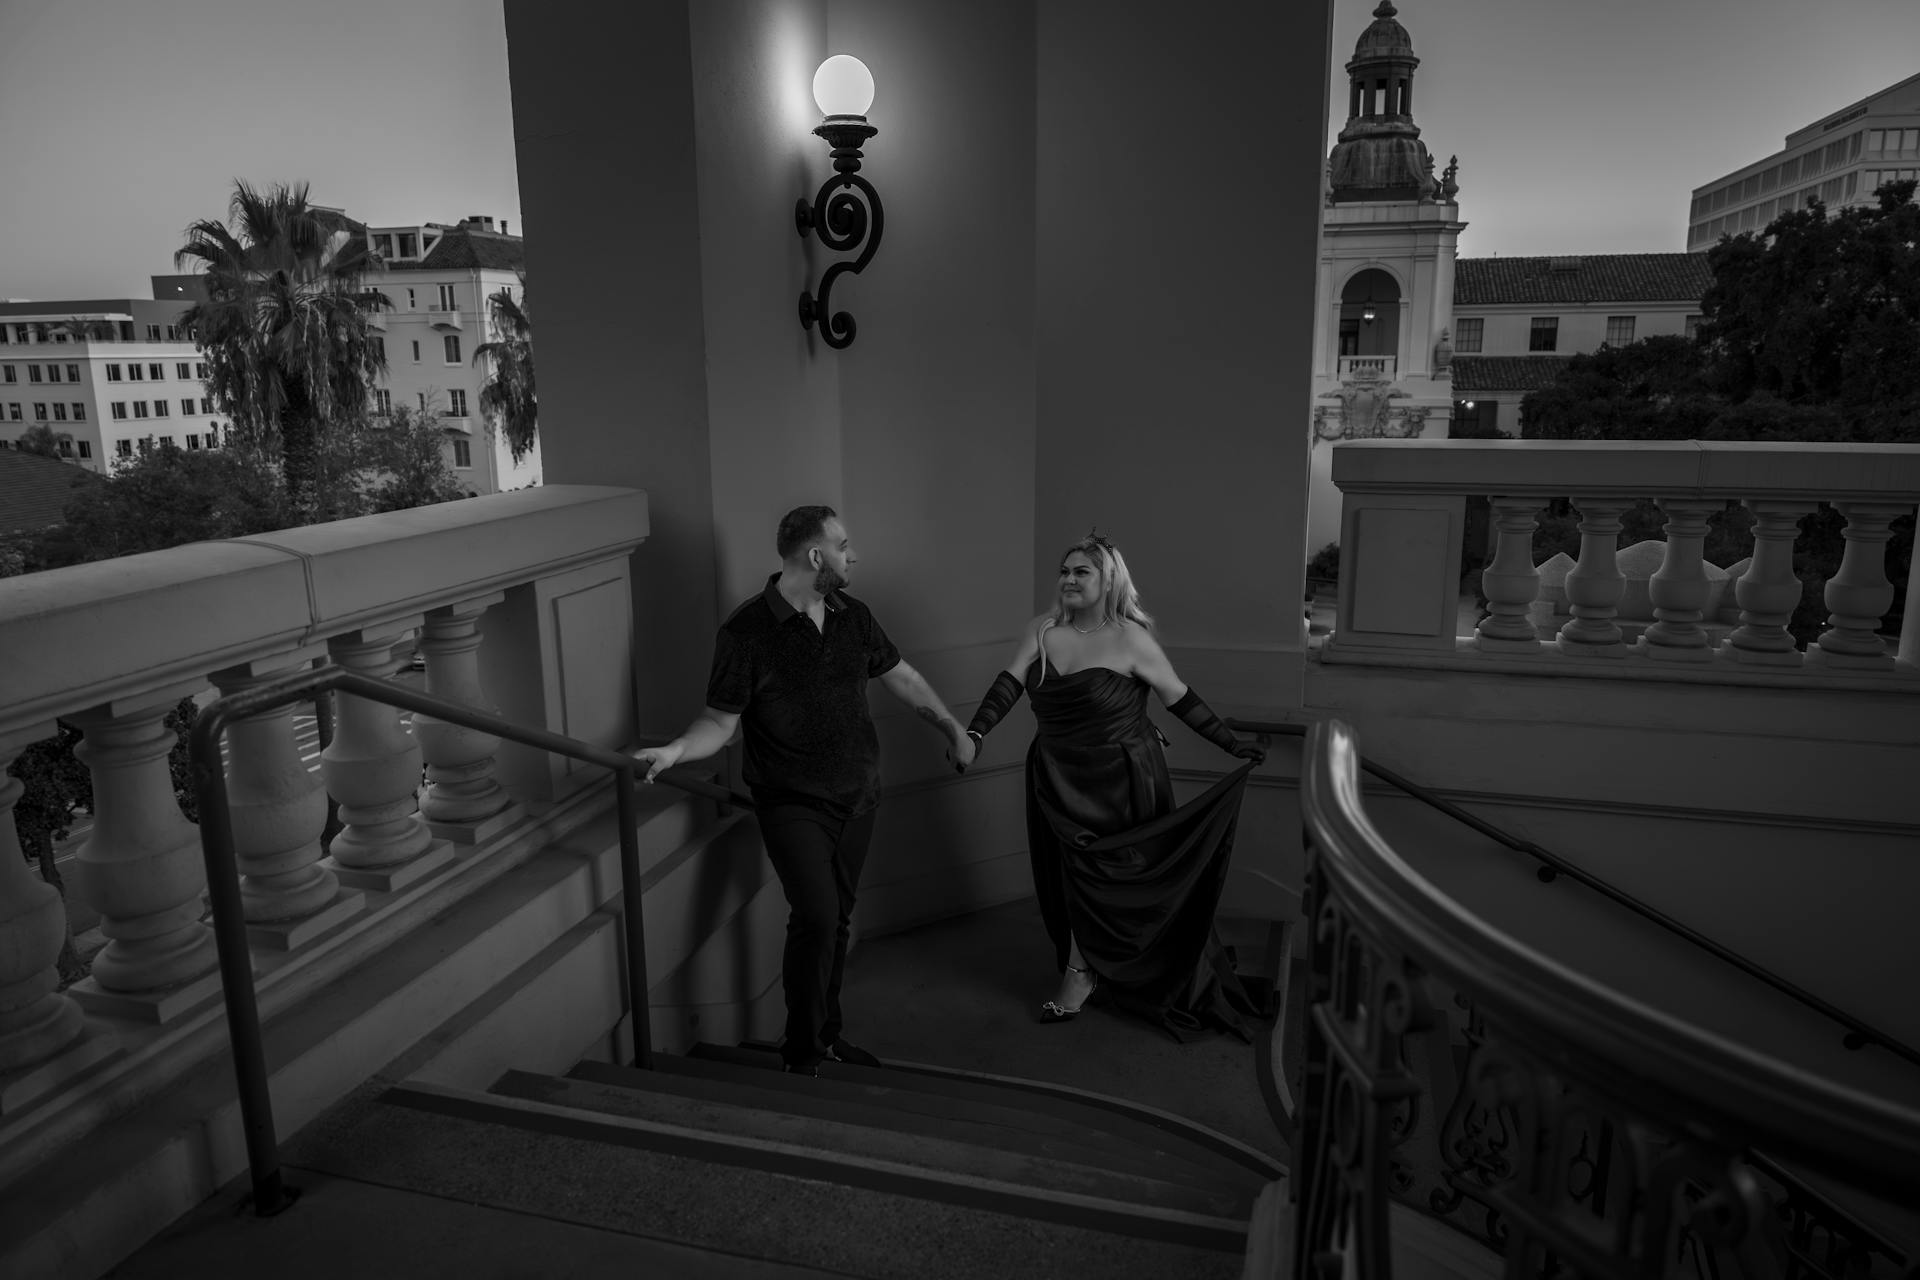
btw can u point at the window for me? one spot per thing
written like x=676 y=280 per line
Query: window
x=1873 y=184
x=160 y=408
x=457 y=403
x=153 y=333
x=416 y=353
x=136 y=373
x=59 y=412
x=1693 y=327
x=6 y=334
x=206 y=404
x=200 y=370
x=139 y=408
x=409 y=248
x=383 y=401
x=193 y=442
x=113 y=373
x=86 y=448
x=452 y=344
x=1876 y=139
x=423 y=400
x=66 y=446
x=53 y=373
x=157 y=372
x=379 y=347
x=166 y=442
x=33 y=373
x=146 y=444
x=446 y=298
x=79 y=413
x=180 y=370
x=40 y=410
x=173 y=333
x=10 y=374
x=462 y=454
x=123 y=448
x=383 y=245
x=119 y=410
x=13 y=412
x=126 y=330
x=1909 y=139
x=186 y=406
x=411 y=304
x=1545 y=334
x=73 y=373
x=1468 y=333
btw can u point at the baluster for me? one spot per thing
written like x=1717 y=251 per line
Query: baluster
x=1859 y=595
x=463 y=801
x=141 y=869
x=44 y=1038
x=372 y=768
x=1769 y=590
x=1679 y=586
x=1510 y=581
x=278 y=810
x=1595 y=585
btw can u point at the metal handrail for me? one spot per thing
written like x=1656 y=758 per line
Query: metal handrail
x=1859 y=1033
x=270 y=1193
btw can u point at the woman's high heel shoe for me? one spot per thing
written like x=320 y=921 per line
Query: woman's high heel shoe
x=1053 y=1011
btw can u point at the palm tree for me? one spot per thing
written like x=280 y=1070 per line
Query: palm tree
x=284 y=325
x=507 y=401
x=81 y=329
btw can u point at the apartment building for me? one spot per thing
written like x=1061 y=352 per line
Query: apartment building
x=1842 y=159
x=110 y=377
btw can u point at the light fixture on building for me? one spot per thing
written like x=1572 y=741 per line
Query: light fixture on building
x=846 y=213
x=1367 y=315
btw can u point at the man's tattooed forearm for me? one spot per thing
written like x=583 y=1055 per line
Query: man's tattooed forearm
x=948 y=728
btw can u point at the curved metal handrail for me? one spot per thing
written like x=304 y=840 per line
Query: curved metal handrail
x=1712 y=1087
x=270 y=1193
x=1860 y=1033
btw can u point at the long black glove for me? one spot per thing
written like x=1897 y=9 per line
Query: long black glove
x=999 y=700
x=1199 y=717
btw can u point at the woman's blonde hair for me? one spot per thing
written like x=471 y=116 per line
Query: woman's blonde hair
x=1121 y=600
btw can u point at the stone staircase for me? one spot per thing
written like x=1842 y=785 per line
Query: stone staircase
x=904 y=1169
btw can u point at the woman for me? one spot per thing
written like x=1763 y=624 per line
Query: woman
x=1127 y=882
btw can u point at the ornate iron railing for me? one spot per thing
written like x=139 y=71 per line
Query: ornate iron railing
x=1583 y=1134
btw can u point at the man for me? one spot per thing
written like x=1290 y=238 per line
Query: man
x=791 y=665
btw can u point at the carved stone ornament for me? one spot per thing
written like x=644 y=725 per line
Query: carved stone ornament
x=1366 y=410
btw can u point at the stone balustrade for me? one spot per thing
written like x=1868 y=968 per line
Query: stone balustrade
x=1403 y=521
x=111 y=648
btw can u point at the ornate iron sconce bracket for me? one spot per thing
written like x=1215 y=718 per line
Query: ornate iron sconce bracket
x=846 y=215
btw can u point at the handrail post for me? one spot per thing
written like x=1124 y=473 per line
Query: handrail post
x=270 y=1192
x=639 y=1008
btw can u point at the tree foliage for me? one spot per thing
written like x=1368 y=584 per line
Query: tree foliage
x=508 y=400
x=284 y=326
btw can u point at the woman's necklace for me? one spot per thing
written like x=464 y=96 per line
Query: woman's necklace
x=1086 y=631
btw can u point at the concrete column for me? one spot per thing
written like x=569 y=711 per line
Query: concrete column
x=1595 y=585
x=462 y=793
x=141 y=869
x=372 y=768
x=1859 y=595
x=1768 y=591
x=279 y=810
x=1679 y=587
x=1511 y=581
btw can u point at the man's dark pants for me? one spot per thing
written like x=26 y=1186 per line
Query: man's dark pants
x=818 y=859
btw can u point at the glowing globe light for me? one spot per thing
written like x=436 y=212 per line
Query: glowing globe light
x=843 y=86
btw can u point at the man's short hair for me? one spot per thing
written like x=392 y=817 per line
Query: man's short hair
x=800 y=528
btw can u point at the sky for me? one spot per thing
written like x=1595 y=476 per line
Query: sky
x=1582 y=126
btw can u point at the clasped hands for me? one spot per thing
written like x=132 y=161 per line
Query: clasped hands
x=961 y=751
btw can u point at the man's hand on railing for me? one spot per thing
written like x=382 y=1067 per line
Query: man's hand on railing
x=658 y=758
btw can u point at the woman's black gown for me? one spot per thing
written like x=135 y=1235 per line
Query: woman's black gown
x=1135 y=879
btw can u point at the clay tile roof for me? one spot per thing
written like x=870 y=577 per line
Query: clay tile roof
x=1599 y=277
x=463 y=248
x=34 y=490
x=1504 y=373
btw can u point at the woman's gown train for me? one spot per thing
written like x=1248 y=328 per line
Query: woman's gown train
x=1135 y=879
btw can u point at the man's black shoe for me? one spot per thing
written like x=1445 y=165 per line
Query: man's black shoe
x=800 y=1069
x=852 y=1054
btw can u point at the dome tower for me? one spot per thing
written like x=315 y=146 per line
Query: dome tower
x=1379 y=155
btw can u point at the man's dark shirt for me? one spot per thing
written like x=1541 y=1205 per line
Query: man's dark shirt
x=802 y=699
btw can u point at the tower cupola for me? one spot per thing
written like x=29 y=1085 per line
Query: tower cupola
x=1379 y=155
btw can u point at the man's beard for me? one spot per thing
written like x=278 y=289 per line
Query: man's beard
x=827 y=578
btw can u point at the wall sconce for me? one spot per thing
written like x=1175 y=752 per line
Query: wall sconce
x=843 y=219
x=1367 y=315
